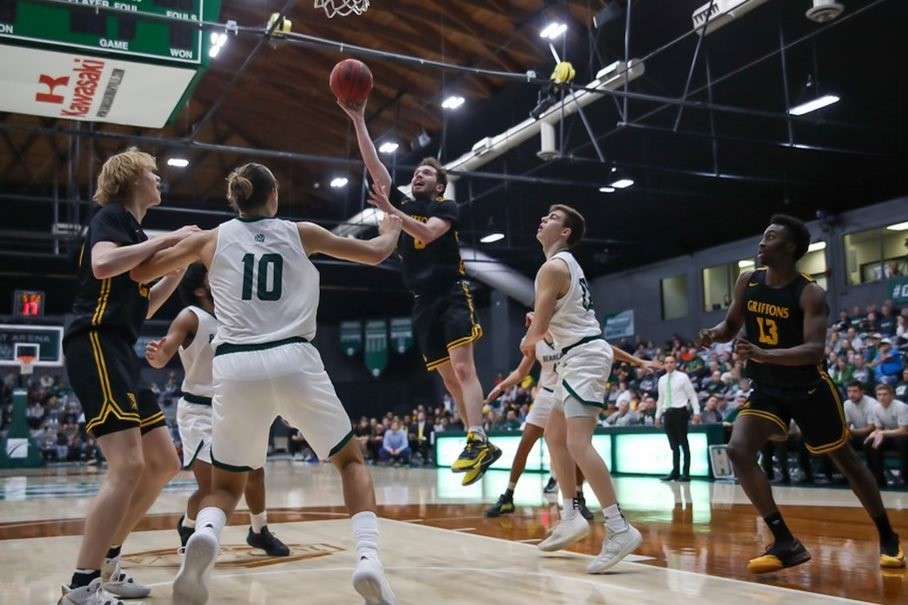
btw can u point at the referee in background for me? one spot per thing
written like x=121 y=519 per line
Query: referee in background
x=677 y=399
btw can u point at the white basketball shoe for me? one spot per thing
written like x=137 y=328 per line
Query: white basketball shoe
x=190 y=586
x=615 y=547
x=571 y=528
x=92 y=594
x=369 y=580
x=119 y=583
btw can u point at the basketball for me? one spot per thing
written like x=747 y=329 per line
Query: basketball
x=351 y=81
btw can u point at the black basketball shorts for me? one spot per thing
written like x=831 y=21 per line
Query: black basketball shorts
x=818 y=410
x=103 y=371
x=443 y=322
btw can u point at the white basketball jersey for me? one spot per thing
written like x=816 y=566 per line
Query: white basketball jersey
x=197 y=357
x=265 y=288
x=574 y=318
x=547 y=355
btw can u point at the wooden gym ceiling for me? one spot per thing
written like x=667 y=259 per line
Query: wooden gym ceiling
x=282 y=101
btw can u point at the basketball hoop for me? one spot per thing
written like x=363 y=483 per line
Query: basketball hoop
x=342 y=7
x=26 y=365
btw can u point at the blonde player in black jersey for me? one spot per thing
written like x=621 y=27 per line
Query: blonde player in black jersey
x=109 y=310
x=444 y=320
x=783 y=313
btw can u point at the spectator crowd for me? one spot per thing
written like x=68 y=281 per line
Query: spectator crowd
x=867 y=351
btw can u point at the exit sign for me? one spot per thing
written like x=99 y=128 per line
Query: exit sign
x=84 y=27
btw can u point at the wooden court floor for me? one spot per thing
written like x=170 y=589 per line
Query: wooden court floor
x=438 y=547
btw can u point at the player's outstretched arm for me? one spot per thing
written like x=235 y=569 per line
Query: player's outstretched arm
x=623 y=356
x=734 y=318
x=516 y=375
x=425 y=232
x=377 y=170
x=197 y=247
x=109 y=259
x=812 y=352
x=162 y=290
x=181 y=332
x=318 y=240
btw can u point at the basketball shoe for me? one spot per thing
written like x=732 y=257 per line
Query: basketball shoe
x=616 y=546
x=119 y=583
x=504 y=506
x=267 y=541
x=92 y=594
x=571 y=528
x=369 y=581
x=779 y=556
x=189 y=587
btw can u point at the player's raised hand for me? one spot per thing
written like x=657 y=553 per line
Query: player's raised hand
x=154 y=353
x=652 y=365
x=378 y=197
x=498 y=390
x=355 y=111
x=390 y=223
x=528 y=319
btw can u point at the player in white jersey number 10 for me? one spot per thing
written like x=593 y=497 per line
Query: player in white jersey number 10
x=190 y=334
x=563 y=308
x=266 y=292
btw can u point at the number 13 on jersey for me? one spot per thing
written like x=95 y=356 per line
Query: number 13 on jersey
x=769 y=331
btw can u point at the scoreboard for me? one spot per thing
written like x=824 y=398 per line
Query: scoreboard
x=81 y=26
x=74 y=60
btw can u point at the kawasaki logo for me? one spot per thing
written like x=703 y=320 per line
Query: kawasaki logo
x=88 y=73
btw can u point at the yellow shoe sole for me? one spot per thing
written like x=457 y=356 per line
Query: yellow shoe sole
x=896 y=562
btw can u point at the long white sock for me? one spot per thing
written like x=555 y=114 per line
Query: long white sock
x=568 y=512
x=614 y=520
x=211 y=520
x=365 y=530
x=258 y=521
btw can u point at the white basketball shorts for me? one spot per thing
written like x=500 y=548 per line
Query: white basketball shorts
x=194 y=422
x=542 y=407
x=584 y=372
x=255 y=386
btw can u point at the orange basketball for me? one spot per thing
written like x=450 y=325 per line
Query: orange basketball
x=351 y=81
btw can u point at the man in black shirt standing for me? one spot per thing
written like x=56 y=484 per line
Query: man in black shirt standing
x=103 y=370
x=444 y=320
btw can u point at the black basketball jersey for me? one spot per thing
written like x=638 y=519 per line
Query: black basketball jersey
x=118 y=303
x=773 y=319
x=429 y=269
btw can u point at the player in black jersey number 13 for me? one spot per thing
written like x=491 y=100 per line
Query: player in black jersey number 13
x=443 y=316
x=783 y=313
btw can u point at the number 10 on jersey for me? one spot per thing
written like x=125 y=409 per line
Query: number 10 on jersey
x=269 y=266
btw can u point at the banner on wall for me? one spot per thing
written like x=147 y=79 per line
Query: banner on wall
x=898 y=290
x=620 y=325
x=376 y=346
x=402 y=334
x=351 y=338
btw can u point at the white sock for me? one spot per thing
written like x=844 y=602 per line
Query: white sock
x=187 y=522
x=211 y=520
x=479 y=431
x=614 y=520
x=512 y=485
x=365 y=530
x=258 y=521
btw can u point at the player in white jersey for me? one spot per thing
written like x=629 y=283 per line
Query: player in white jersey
x=191 y=334
x=563 y=309
x=547 y=356
x=266 y=292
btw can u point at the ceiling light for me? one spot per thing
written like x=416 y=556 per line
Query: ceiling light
x=453 y=102
x=813 y=105
x=178 y=162
x=213 y=51
x=898 y=227
x=389 y=147
x=553 y=31
x=214 y=37
x=492 y=237
x=339 y=182
x=606 y=190
x=816 y=246
x=623 y=183
x=744 y=264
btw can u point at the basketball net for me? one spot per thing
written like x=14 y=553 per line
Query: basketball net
x=342 y=7
x=26 y=365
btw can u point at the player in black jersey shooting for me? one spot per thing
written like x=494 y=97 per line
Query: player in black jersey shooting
x=444 y=320
x=784 y=314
